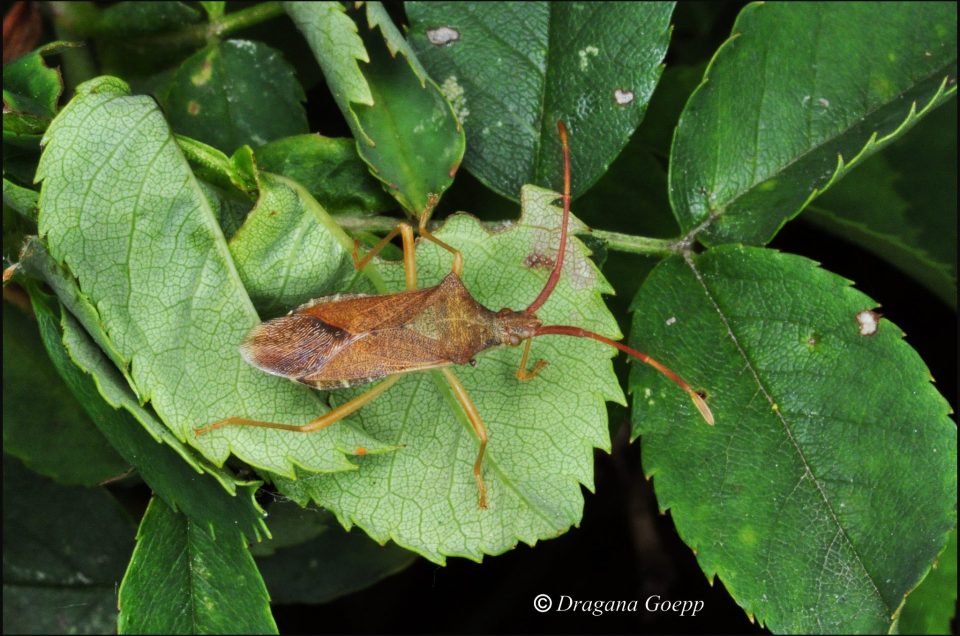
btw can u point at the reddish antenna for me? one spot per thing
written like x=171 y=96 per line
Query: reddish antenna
x=564 y=330
x=555 y=274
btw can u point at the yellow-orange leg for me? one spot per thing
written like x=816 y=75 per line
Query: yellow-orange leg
x=470 y=409
x=409 y=255
x=331 y=417
x=457 y=256
x=522 y=373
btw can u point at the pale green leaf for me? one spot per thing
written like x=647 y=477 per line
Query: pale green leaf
x=121 y=208
x=542 y=432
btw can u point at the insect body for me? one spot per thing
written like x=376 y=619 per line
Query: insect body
x=338 y=342
x=345 y=340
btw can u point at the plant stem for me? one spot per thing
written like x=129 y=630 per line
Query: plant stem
x=615 y=240
x=248 y=17
x=638 y=244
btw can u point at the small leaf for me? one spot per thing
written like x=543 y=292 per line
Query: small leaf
x=541 y=433
x=511 y=70
x=932 y=605
x=184 y=579
x=828 y=484
x=163 y=283
x=43 y=423
x=283 y=254
x=902 y=204
x=64 y=549
x=20 y=199
x=329 y=169
x=30 y=86
x=404 y=128
x=233 y=93
x=800 y=94
x=30 y=93
x=328 y=564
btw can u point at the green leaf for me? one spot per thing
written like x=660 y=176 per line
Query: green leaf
x=902 y=204
x=932 y=605
x=797 y=96
x=43 y=423
x=64 y=549
x=283 y=254
x=233 y=93
x=404 y=128
x=310 y=558
x=183 y=579
x=163 y=283
x=212 y=500
x=30 y=86
x=131 y=19
x=511 y=70
x=329 y=169
x=20 y=199
x=829 y=484
x=541 y=433
x=30 y=93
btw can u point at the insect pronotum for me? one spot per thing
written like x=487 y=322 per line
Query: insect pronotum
x=345 y=340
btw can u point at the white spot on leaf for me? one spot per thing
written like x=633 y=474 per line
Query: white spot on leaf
x=442 y=36
x=585 y=55
x=622 y=97
x=452 y=90
x=671 y=320
x=869 y=322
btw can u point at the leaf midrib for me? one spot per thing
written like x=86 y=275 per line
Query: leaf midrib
x=850 y=126
x=789 y=433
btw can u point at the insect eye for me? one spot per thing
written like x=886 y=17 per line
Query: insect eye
x=514 y=339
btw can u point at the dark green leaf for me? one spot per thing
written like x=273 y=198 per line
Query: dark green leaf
x=798 y=95
x=130 y=19
x=64 y=549
x=511 y=70
x=30 y=86
x=233 y=93
x=330 y=565
x=329 y=169
x=902 y=204
x=930 y=608
x=187 y=579
x=829 y=483
x=43 y=423
x=157 y=269
x=403 y=126
x=20 y=199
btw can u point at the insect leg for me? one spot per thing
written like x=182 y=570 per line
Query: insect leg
x=522 y=373
x=409 y=264
x=470 y=410
x=330 y=417
x=457 y=256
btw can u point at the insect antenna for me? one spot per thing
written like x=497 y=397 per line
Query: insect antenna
x=563 y=330
x=555 y=274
